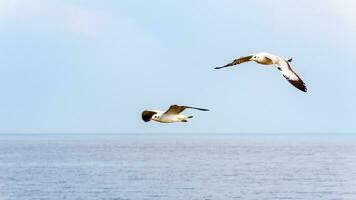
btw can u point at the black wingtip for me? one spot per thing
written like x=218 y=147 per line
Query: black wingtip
x=305 y=89
x=299 y=85
x=228 y=65
x=201 y=109
x=302 y=87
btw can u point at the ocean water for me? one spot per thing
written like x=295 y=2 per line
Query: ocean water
x=177 y=167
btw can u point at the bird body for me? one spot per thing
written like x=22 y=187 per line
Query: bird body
x=164 y=118
x=264 y=59
x=170 y=116
x=269 y=59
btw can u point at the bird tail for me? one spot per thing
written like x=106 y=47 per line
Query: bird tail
x=190 y=117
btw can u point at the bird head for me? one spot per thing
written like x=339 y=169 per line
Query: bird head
x=148 y=115
x=155 y=117
x=254 y=58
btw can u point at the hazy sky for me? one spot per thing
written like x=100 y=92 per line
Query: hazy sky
x=92 y=66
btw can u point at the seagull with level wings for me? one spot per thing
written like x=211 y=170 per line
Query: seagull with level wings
x=173 y=114
x=268 y=59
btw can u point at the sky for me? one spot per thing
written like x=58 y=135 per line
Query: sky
x=81 y=66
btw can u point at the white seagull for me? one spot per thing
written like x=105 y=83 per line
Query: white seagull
x=281 y=64
x=169 y=116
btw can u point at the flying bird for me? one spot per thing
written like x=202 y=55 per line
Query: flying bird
x=268 y=59
x=169 y=116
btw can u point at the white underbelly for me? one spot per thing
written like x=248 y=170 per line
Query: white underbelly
x=171 y=119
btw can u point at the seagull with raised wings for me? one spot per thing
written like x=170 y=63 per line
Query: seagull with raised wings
x=268 y=59
x=169 y=116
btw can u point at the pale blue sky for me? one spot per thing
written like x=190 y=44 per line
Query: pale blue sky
x=93 y=66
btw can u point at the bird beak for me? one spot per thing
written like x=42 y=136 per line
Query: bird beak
x=228 y=65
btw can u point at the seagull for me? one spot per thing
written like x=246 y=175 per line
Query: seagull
x=169 y=116
x=268 y=59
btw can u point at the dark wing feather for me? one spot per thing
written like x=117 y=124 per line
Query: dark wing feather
x=242 y=60
x=175 y=109
x=288 y=73
x=298 y=84
x=201 y=109
x=237 y=61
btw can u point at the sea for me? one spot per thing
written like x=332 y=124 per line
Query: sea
x=177 y=167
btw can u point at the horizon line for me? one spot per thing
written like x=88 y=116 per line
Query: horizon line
x=189 y=134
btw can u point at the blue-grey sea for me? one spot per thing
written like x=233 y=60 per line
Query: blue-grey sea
x=173 y=167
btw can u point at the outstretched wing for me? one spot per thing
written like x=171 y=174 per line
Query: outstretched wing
x=237 y=61
x=147 y=115
x=288 y=73
x=175 y=109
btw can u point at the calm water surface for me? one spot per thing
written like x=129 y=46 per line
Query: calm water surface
x=177 y=167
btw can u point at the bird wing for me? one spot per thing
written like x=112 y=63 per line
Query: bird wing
x=288 y=73
x=175 y=109
x=237 y=61
x=147 y=115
